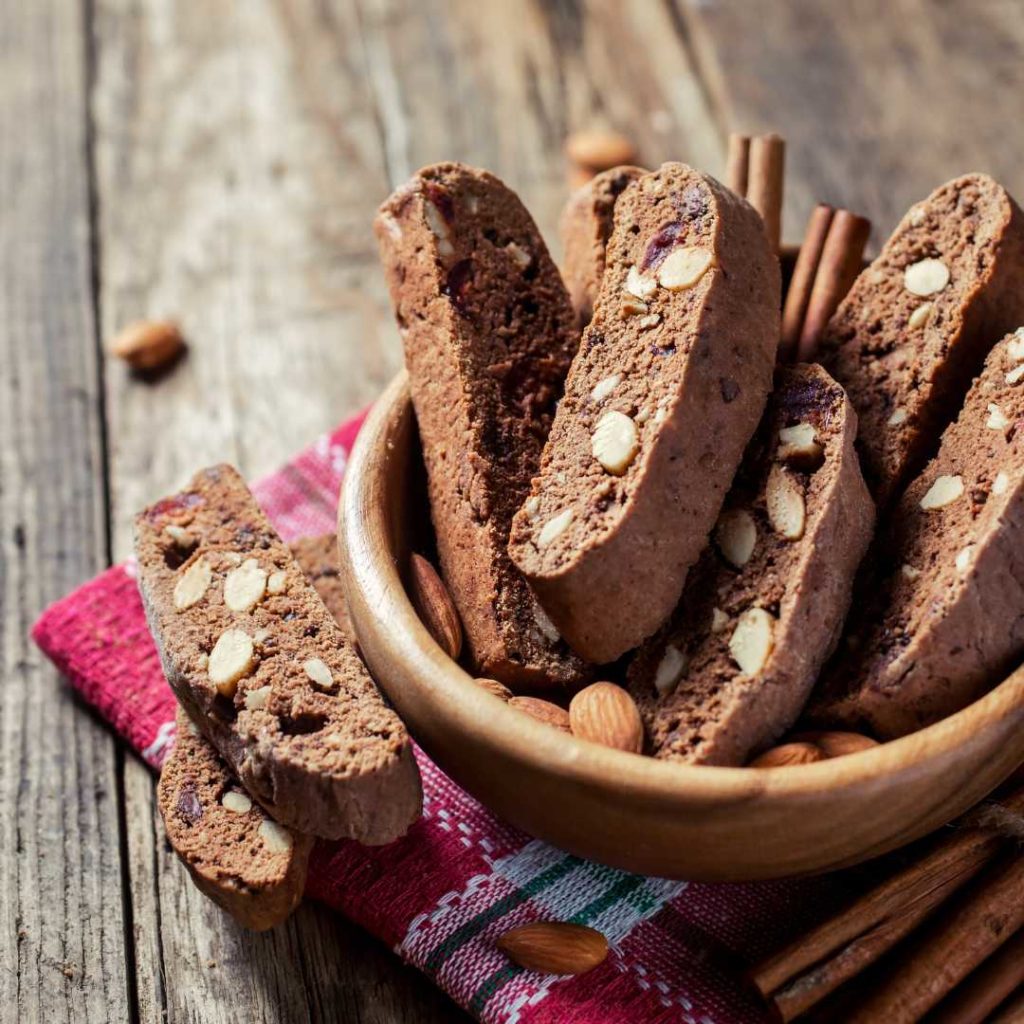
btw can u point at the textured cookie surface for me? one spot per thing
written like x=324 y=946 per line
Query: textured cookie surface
x=263 y=669
x=943 y=621
x=585 y=227
x=765 y=604
x=318 y=560
x=665 y=392
x=917 y=323
x=237 y=855
x=488 y=332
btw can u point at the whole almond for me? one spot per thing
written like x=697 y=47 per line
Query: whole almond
x=543 y=710
x=788 y=753
x=500 y=690
x=554 y=947
x=837 y=744
x=434 y=605
x=607 y=714
x=599 y=150
x=148 y=344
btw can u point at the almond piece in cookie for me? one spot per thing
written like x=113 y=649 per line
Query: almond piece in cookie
x=936 y=637
x=918 y=322
x=686 y=324
x=733 y=667
x=335 y=761
x=489 y=333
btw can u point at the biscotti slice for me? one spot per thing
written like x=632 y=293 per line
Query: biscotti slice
x=665 y=392
x=489 y=334
x=237 y=856
x=260 y=665
x=763 y=608
x=318 y=560
x=585 y=227
x=946 y=619
x=917 y=323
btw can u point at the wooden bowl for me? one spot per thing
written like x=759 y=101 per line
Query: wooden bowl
x=625 y=810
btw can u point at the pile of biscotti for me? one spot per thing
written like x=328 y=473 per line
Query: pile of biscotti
x=638 y=515
x=626 y=488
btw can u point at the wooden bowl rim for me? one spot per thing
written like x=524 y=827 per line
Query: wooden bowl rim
x=519 y=737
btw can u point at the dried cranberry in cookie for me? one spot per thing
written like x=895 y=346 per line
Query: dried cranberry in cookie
x=585 y=226
x=918 y=322
x=237 y=856
x=489 y=333
x=944 y=621
x=664 y=394
x=261 y=666
x=763 y=608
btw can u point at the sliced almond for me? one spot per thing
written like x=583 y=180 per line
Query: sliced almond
x=785 y=502
x=943 y=492
x=964 y=558
x=1015 y=375
x=277 y=582
x=245 y=586
x=736 y=536
x=899 y=416
x=670 y=670
x=543 y=711
x=615 y=442
x=719 y=620
x=798 y=445
x=257 y=698
x=554 y=947
x=926 y=277
x=554 y=528
x=179 y=536
x=319 y=673
x=605 y=713
x=638 y=285
x=604 y=387
x=752 y=640
x=275 y=838
x=997 y=419
x=1001 y=483
x=434 y=605
x=920 y=316
x=1015 y=346
x=683 y=268
x=236 y=802
x=437 y=225
x=232 y=657
x=909 y=572
x=195 y=581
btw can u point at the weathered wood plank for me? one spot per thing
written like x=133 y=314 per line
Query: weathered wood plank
x=880 y=100
x=62 y=941
x=239 y=162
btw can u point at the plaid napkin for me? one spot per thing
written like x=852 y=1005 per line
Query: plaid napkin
x=461 y=877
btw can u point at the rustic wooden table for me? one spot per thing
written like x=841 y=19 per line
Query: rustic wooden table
x=219 y=163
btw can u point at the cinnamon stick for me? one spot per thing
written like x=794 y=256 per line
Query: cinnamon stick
x=802 y=281
x=737 y=164
x=801 y=975
x=764 y=182
x=967 y=934
x=986 y=989
x=841 y=259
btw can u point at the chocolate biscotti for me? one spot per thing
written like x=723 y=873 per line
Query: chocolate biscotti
x=489 y=334
x=943 y=622
x=318 y=560
x=918 y=322
x=260 y=665
x=237 y=856
x=764 y=606
x=585 y=227
x=665 y=392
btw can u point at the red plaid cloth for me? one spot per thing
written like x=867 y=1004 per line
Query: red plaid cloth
x=461 y=876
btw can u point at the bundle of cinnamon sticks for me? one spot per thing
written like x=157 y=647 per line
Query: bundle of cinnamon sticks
x=829 y=259
x=944 y=935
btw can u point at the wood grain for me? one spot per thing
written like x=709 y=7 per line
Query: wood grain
x=62 y=941
x=880 y=100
